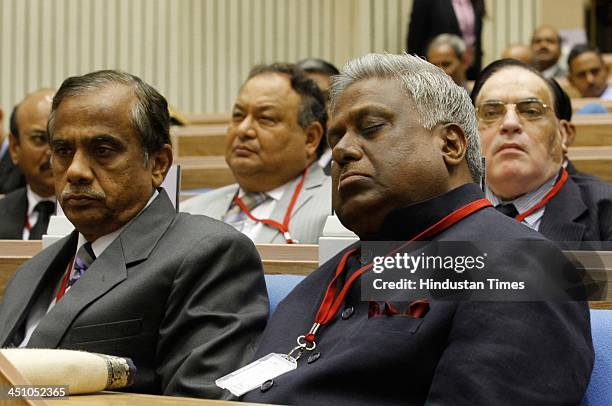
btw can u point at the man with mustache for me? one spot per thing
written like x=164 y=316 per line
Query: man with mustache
x=546 y=46
x=406 y=166
x=282 y=195
x=183 y=296
x=25 y=212
x=524 y=129
x=588 y=72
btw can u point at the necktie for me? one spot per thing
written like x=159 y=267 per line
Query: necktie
x=44 y=209
x=507 y=209
x=84 y=258
x=236 y=217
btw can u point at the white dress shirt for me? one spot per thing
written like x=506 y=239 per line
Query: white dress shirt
x=33 y=200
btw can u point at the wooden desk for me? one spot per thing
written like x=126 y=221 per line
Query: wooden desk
x=198 y=140
x=593 y=160
x=207 y=118
x=121 y=399
x=593 y=130
x=204 y=172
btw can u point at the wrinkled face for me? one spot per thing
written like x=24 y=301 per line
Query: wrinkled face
x=589 y=74
x=383 y=158
x=444 y=57
x=264 y=139
x=31 y=150
x=101 y=179
x=546 y=47
x=521 y=151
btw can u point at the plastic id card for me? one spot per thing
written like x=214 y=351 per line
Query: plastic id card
x=251 y=376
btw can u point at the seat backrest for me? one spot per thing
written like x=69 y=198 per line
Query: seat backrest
x=599 y=392
x=279 y=286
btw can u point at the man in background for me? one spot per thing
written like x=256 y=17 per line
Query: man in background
x=447 y=52
x=588 y=72
x=281 y=195
x=546 y=46
x=25 y=212
x=520 y=52
x=11 y=177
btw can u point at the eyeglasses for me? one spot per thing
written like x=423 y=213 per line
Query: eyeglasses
x=530 y=109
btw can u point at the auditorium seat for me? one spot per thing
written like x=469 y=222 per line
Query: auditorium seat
x=599 y=392
x=279 y=286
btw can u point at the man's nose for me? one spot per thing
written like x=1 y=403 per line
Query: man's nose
x=347 y=149
x=79 y=170
x=245 y=129
x=511 y=122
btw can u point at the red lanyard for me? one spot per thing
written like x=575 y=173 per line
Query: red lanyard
x=331 y=303
x=65 y=280
x=545 y=199
x=284 y=227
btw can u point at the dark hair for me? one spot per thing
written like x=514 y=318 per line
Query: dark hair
x=149 y=115
x=316 y=65
x=501 y=64
x=313 y=107
x=582 y=49
x=13 y=127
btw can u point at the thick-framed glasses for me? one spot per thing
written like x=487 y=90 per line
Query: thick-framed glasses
x=492 y=111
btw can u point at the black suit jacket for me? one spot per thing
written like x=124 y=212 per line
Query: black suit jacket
x=13 y=209
x=459 y=353
x=11 y=177
x=430 y=18
x=581 y=211
x=183 y=296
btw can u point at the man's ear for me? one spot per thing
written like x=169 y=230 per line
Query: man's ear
x=14 y=148
x=161 y=161
x=314 y=133
x=567 y=134
x=453 y=144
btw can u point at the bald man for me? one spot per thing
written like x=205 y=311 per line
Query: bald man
x=520 y=52
x=25 y=212
x=546 y=47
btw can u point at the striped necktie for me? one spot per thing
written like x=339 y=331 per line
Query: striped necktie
x=84 y=258
x=236 y=216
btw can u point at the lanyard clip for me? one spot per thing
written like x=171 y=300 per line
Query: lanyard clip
x=289 y=239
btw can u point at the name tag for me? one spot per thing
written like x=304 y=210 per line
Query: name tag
x=251 y=376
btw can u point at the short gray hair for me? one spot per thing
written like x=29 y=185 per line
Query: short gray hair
x=452 y=40
x=149 y=115
x=437 y=99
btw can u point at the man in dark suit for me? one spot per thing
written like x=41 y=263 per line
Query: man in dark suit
x=11 y=177
x=405 y=162
x=430 y=18
x=524 y=137
x=183 y=296
x=25 y=212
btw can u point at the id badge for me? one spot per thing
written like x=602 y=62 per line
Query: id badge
x=251 y=376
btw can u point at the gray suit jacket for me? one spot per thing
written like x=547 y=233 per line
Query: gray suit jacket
x=307 y=220
x=183 y=296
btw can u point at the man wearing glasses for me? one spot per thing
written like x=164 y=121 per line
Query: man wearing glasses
x=522 y=140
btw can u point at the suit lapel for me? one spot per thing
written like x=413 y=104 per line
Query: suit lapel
x=28 y=284
x=313 y=181
x=223 y=203
x=133 y=245
x=559 y=220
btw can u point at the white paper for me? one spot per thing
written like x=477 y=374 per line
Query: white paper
x=251 y=376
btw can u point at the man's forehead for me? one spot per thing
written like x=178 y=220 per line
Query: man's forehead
x=546 y=33
x=515 y=83
x=267 y=87
x=586 y=58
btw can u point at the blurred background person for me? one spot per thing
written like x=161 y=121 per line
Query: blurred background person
x=447 y=52
x=520 y=52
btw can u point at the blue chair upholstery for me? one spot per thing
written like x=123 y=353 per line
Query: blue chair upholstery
x=599 y=392
x=279 y=286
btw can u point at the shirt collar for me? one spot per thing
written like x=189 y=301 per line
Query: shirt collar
x=277 y=193
x=526 y=201
x=103 y=242
x=34 y=199
x=404 y=223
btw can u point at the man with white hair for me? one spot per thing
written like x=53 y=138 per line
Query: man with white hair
x=406 y=162
x=447 y=52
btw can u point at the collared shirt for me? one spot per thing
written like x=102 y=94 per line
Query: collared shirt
x=33 y=200
x=42 y=306
x=464 y=10
x=606 y=95
x=252 y=228
x=4 y=147
x=527 y=201
x=554 y=71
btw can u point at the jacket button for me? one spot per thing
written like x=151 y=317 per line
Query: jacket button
x=348 y=312
x=267 y=385
x=314 y=357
